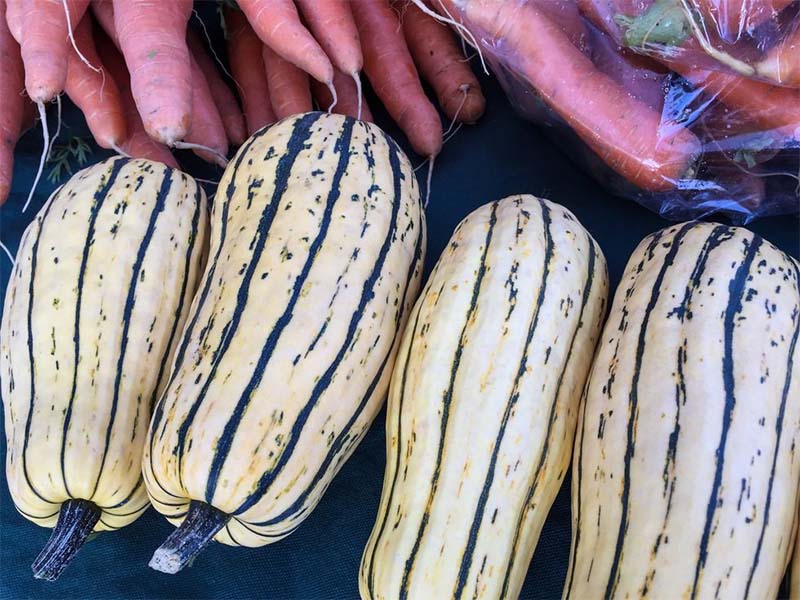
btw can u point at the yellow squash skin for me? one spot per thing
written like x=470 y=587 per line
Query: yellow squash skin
x=483 y=404
x=103 y=279
x=685 y=474
x=317 y=243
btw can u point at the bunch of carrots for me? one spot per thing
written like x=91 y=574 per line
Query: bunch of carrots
x=147 y=83
x=653 y=86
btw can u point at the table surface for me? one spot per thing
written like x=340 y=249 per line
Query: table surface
x=500 y=156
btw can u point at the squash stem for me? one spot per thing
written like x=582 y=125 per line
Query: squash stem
x=76 y=520
x=201 y=524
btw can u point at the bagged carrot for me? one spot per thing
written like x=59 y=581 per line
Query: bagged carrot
x=680 y=105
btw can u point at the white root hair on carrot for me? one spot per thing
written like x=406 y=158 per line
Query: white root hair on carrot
x=217 y=59
x=43 y=157
x=58 y=127
x=464 y=87
x=8 y=254
x=430 y=177
x=332 y=88
x=464 y=33
x=208 y=181
x=84 y=60
x=420 y=165
x=119 y=150
x=221 y=159
x=357 y=78
x=453 y=134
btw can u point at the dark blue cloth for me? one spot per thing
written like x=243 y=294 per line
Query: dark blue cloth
x=502 y=155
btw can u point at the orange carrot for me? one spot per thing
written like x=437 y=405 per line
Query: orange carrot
x=348 y=101
x=152 y=37
x=624 y=132
x=782 y=62
x=247 y=66
x=770 y=106
x=442 y=64
x=207 y=128
x=11 y=116
x=13 y=16
x=278 y=25
x=288 y=86
x=44 y=41
x=96 y=95
x=333 y=26
x=394 y=78
x=226 y=102
x=734 y=19
x=137 y=143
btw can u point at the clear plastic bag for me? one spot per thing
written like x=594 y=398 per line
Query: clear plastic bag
x=689 y=107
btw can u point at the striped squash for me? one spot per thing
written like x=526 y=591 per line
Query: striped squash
x=318 y=238
x=102 y=282
x=483 y=403
x=686 y=477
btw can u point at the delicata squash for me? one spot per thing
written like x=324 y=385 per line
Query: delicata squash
x=101 y=285
x=317 y=246
x=483 y=404
x=685 y=473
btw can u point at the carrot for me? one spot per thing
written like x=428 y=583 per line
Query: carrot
x=442 y=64
x=247 y=66
x=278 y=25
x=770 y=106
x=624 y=132
x=642 y=77
x=13 y=16
x=733 y=19
x=93 y=93
x=207 y=128
x=782 y=62
x=44 y=41
x=333 y=26
x=137 y=143
x=288 y=86
x=348 y=102
x=226 y=102
x=394 y=78
x=11 y=117
x=152 y=38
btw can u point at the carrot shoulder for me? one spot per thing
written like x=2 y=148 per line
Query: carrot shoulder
x=394 y=77
x=153 y=42
x=137 y=143
x=94 y=94
x=44 y=43
x=278 y=24
x=12 y=114
x=625 y=133
x=226 y=103
x=439 y=58
x=333 y=26
x=247 y=67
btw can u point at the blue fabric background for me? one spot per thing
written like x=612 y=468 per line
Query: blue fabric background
x=501 y=155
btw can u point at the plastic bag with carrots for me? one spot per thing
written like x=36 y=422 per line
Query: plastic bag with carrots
x=690 y=107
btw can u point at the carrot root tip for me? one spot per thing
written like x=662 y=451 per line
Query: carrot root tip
x=219 y=158
x=8 y=254
x=357 y=78
x=45 y=151
x=332 y=88
x=430 y=178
